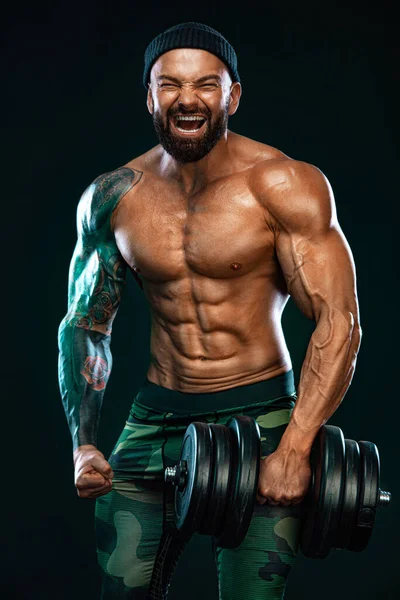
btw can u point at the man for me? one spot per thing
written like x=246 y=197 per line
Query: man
x=218 y=230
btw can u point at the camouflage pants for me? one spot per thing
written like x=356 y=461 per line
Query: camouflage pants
x=132 y=519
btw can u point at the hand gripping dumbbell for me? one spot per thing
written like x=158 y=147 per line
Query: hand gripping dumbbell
x=216 y=482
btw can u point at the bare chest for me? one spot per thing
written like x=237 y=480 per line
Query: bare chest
x=219 y=233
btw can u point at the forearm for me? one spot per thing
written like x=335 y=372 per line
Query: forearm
x=84 y=367
x=325 y=376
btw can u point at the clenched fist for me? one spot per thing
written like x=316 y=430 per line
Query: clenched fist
x=93 y=474
x=284 y=478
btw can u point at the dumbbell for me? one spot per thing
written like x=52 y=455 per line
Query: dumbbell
x=216 y=481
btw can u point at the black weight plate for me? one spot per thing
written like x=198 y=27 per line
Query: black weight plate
x=369 y=493
x=218 y=494
x=246 y=451
x=350 y=495
x=190 y=503
x=322 y=503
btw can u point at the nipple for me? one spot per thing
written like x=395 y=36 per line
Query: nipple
x=235 y=266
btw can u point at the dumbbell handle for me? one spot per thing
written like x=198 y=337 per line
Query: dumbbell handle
x=177 y=476
x=384 y=498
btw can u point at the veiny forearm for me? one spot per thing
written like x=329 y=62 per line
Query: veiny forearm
x=326 y=374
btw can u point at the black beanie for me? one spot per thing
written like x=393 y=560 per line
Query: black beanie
x=190 y=35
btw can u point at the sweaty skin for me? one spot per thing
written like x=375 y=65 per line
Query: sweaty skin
x=208 y=266
x=218 y=253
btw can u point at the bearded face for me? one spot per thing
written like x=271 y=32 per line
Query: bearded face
x=190 y=97
x=189 y=135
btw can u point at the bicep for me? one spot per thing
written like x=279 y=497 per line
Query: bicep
x=97 y=277
x=319 y=271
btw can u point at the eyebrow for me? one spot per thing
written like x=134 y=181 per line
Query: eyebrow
x=199 y=80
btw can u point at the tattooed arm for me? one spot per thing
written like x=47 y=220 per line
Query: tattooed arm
x=96 y=281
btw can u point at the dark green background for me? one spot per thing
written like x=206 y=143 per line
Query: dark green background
x=319 y=84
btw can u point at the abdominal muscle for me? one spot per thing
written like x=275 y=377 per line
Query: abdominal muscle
x=200 y=347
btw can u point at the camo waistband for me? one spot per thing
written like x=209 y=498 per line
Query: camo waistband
x=268 y=392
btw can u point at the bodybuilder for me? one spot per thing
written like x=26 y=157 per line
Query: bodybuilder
x=218 y=230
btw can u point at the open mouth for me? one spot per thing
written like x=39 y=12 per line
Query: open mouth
x=189 y=125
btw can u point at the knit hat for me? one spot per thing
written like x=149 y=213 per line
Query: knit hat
x=190 y=35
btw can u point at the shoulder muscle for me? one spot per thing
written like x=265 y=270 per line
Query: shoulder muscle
x=101 y=198
x=297 y=195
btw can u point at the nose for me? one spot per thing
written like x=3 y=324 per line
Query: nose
x=187 y=98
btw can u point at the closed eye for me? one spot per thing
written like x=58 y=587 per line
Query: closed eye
x=205 y=85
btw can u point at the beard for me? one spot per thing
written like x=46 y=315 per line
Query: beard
x=186 y=150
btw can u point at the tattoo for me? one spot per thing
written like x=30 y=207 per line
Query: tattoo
x=97 y=279
x=96 y=372
x=105 y=193
x=106 y=270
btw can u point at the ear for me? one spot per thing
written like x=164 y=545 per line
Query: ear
x=150 y=103
x=234 y=99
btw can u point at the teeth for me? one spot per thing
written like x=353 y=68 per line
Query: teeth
x=186 y=130
x=190 y=118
